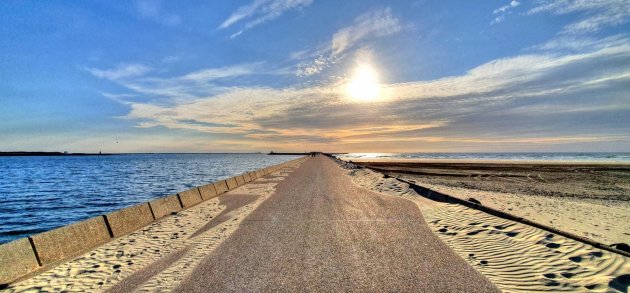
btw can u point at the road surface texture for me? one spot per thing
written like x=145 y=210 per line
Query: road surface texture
x=320 y=232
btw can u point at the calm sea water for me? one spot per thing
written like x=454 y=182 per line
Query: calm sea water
x=41 y=193
x=552 y=157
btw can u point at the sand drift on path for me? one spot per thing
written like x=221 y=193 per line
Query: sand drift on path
x=514 y=256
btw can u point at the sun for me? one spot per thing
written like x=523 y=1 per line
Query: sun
x=364 y=84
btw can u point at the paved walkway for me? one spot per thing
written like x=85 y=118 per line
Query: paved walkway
x=320 y=232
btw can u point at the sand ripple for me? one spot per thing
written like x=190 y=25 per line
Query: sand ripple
x=514 y=256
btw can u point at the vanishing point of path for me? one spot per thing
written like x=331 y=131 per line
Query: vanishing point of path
x=320 y=232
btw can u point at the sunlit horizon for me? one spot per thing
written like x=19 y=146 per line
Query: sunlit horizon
x=365 y=76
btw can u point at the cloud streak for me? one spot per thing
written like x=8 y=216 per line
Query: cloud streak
x=598 y=14
x=503 y=10
x=376 y=23
x=457 y=111
x=261 y=11
x=120 y=71
x=370 y=25
x=184 y=87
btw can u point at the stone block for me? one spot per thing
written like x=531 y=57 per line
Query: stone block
x=231 y=183
x=72 y=240
x=221 y=186
x=165 y=206
x=240 y=180
x=129 y=219
x=190 y=197
x=207 y=191
x=17 y=259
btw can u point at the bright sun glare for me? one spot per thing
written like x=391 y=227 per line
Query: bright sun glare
x=364 y=85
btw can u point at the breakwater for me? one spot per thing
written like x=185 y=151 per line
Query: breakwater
x=28 y=255
x=39 y=194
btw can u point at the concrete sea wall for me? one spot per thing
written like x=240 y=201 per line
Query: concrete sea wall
x=25 y=256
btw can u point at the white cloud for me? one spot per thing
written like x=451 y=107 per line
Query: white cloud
x=320 y=63
x=184 y=87
x=210 y=74
x=120 y=71
x=503 y=10
x=456 y=109
x=373 y=24
x=599 y=14
x=299 y=55
x=261 y=11
x=581 y=43
x=376 y=23
x=152 y=10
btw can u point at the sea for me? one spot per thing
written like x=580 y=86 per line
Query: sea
x=545 y=157
x=41 y=193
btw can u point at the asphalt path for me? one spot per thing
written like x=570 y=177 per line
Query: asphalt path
x=320 y=232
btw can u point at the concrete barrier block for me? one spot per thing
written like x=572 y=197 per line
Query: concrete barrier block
x=71 y=240
x=16 y=259
x=259 y=173
x=165 y=206
x=246 y=177
x=240 y=180
x=221 y=186
x=207 y=191
x=231 y=183
x=190 y=197
x=253 y=175
x=129 y=219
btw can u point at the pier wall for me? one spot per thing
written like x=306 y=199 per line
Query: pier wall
x=22 y=257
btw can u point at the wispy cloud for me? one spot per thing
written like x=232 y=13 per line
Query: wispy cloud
x=210 y=74
x=153 y=10
x=503 y=10
x=261 y=11
x=376 y=23
x=580 y=43
x=524 y=91
x=188 y=86
x=120 y=71
x=598 y=14
x=320 y=63
x=373 y=24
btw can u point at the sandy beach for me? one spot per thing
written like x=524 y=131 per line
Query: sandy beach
x=586 y=199
x=321 y=226
x=514 y=256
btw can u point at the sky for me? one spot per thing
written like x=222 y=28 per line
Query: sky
x=305 y=75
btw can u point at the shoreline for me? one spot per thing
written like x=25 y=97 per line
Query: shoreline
x=485 y=161
x=588 y=200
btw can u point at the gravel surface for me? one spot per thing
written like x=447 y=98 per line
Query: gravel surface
x=319 y=232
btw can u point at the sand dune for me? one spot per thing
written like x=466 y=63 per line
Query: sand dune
x=516 y=257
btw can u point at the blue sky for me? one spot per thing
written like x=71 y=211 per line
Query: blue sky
x=201 y=76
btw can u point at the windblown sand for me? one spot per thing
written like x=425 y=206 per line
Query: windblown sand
x=158 y=257
x=514 y=256
x=590 y=200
